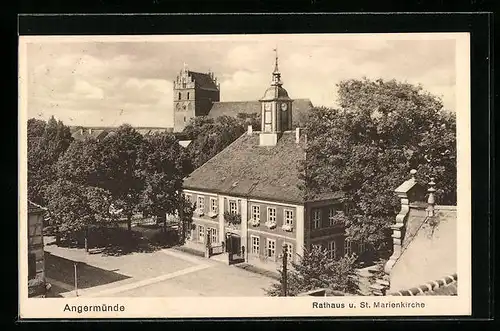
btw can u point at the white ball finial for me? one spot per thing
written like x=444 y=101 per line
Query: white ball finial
x=412 y=173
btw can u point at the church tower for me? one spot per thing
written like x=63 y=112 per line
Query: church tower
x=194 y=95
x=276 y=110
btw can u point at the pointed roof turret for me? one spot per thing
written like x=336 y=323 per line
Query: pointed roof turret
x=276 y=73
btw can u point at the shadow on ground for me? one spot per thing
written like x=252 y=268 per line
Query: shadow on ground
x=116 y=241
x=63 y=270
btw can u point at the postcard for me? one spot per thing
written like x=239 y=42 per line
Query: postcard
x=276 y=175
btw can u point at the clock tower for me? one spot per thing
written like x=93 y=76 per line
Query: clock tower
x=276 y=110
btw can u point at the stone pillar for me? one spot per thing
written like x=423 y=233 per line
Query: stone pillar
x=299 y=230
x=244 y=226
x=431 y=201
x=409 y=189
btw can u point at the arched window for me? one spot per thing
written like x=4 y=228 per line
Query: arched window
x=188 y=96
x=331 y=249
x=179 y=95
x=347 y=247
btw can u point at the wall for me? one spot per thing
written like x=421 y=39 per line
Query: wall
x=246 y=230
x=35 y=245
x=205 y=220
x=325 y=233
x=183 y=116
x=429 y=249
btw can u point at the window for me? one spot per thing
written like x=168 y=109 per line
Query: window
x=184 y=119
x=267 y=120
x=331 y=249
x=233 y=207
x=201 y=203
x=213 y=205
x=361 y=247
x=201 y=233
x=271 y=248
x=213 y=235
x=255 y=212
x=189 y=198
x=188 y=96
x=289 y=251
x=331 y=216
x=31 y=265
x=271 y=215
x=255 y=245
x=179 y=95
x=288 y=216
x=316 y=218
x=268 y=117
x=347 y=247
x=347 y=208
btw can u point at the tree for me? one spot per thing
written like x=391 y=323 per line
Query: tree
x=253 y=119
x=367 y=147
x=74 y=207
x=120 y=171
x=163 y=164
x=185 y=212
x=210 y=136
x=81 y=173
x=316 y=270
x=46 y=143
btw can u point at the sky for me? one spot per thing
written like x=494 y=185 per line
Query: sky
x=111 y=81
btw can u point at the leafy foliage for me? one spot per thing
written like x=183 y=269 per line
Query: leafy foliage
x=316 y=270
x=120 y=169
x=232 y=218
x=367 y=147
x=47 y=141
x=75 y=207
x=163 y=164
x=210 y=136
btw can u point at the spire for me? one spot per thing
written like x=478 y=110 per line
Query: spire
x=276 y=73
x=276 y=63
x=185 y=67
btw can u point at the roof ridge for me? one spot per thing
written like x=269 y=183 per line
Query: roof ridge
x=199 y=72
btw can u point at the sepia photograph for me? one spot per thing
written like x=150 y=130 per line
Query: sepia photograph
x=245 y=168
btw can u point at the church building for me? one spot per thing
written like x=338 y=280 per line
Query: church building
x=247 y=200
x=198 y=94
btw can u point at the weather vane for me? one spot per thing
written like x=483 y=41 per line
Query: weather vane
x=276 y=52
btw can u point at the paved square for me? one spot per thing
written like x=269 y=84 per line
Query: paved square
x=163 y=273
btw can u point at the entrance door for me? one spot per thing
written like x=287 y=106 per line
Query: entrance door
x=234 y=248
x=233 y=243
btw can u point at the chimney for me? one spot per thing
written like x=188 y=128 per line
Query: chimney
x=249 y=130
x=297 y=135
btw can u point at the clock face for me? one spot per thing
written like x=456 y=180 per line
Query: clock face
x=284 y=106
x=267 y=106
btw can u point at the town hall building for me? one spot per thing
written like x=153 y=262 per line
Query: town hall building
x=247 y=199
